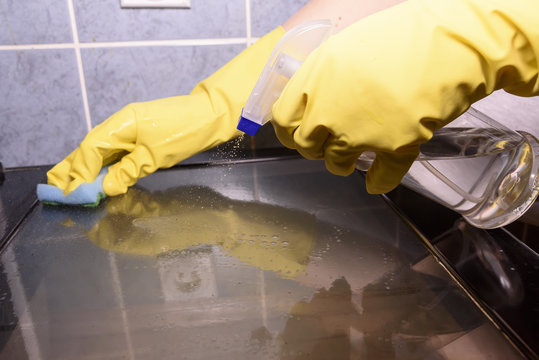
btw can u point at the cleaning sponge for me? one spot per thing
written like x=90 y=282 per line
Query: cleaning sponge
x=86 y=194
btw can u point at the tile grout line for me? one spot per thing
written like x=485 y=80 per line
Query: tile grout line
x=248 y=22
x=37 y=47
x=118 y=44
x=76 y=46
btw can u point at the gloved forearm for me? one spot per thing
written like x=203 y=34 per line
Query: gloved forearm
x=486 y=44
x=144 y=137
x=387 y=82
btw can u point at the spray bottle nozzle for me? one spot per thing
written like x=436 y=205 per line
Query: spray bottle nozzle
x=287 y=56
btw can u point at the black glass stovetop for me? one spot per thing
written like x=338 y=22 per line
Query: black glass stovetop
x=262 y=257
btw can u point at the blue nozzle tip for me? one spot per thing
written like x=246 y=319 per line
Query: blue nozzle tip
x=248 y=126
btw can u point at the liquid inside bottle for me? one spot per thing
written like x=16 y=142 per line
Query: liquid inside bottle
x=488 y=175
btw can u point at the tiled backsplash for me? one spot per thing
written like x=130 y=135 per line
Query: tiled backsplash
x=129 y=55
x=42 y=102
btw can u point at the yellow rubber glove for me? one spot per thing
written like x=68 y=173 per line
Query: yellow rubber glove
x=385 y=83
x=153 y=224
x=158 y=134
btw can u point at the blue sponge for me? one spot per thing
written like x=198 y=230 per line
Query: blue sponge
x=86 y=194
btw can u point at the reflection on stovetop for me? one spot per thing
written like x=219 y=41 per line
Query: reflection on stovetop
x=499 y=269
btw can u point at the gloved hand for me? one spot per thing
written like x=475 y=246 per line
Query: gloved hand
x=385 y=83
x=158 y=134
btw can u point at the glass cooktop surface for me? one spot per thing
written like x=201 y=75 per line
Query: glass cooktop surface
x=255 y=260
